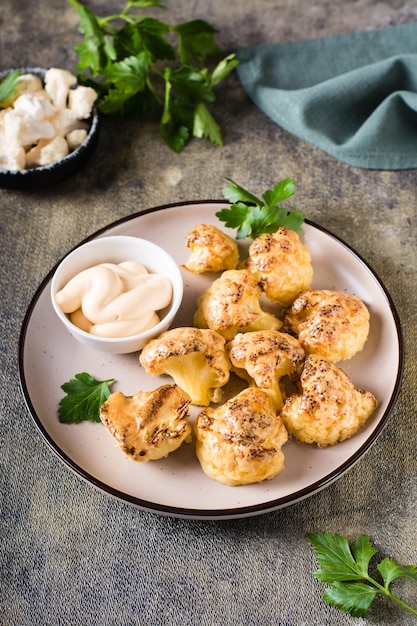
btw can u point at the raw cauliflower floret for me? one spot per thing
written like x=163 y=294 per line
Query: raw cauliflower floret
x=81 y=100
x=46 y=152
x=195 y=358
x=240 y=442
x=211 y=250
x=13 y=159
x=75 y=138
x=330 y=323
x=231 y=305
x=22 y=130
x=284 y=263
x=57 y=85
x=150 y=424
x=263 y=358
x=35 y=105
x=330 y=409
x=65 y=121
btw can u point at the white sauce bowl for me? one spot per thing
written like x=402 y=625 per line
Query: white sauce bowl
x=116 y=249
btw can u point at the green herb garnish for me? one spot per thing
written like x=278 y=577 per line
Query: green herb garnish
x=254 y=217
x=130 y=60
x=85 y=395
x=8 y=87
x=345 y=568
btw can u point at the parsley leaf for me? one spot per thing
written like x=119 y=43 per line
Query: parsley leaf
x=146 y=35
x=85 y=395
x=253 y=216
x=196 y=41
x=136 y=68
x=346 y=569
x=8 y=87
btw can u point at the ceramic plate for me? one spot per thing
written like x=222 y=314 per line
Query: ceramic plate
x=176 y=485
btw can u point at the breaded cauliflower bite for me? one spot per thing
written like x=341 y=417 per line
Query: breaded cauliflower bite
x=211 y=250
x=284 y=263
x=263 y=357
x=330 y=323
x=231 y=305
x=195 y=358
x=240 y=442
x=330 y=408
x=150 y=424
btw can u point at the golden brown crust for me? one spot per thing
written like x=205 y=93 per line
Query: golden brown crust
x=284 y=263
x=180 y=342
x=330 y=323
x=263 y=357
x=240 y=442
x=231 y=305
x=150 y=424
x=196 y=358
x=211 y=250
x=330 y=409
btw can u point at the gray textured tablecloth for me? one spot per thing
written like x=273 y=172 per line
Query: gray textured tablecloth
x=70 y=555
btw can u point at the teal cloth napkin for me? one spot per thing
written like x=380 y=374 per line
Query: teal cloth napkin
x=352 y=95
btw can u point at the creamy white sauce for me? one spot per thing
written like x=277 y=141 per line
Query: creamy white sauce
x=111 y=300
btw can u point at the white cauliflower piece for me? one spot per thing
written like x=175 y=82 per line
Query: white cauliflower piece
x=28 y=83
x=333 y=324
x=240 y=442
x=149 y=425
x=330 y=409
x=65 y=121
x=23 y=130
x=284 y=263
x=47 y=152
x=81 y=100
x=75 y=138
x=13 y=159
x=231 y=305
x=35 y=105
x=195 y=358
x=57 y=85
x=264 y=357
x=211 y=250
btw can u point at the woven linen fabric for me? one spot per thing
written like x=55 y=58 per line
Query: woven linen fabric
x=352 y=95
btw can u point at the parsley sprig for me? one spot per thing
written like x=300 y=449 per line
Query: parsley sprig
x=8 y=87
x=346 y=569
x=85 y=395
x=253 y=216
x=130 y=60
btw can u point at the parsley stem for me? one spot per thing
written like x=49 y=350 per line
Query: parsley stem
x=390 y=595
x=400 y=602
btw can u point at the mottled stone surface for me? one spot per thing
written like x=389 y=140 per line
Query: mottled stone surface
x=69 y=554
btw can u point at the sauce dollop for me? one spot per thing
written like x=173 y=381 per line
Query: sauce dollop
x=115 y=300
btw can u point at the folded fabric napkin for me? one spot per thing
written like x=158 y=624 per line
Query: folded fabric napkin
x=353 y=95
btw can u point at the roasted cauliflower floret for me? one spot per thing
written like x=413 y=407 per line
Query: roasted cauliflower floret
x=211 y=250
x=330 y=409
x=195 y=358
x=284 y=263
x=330 y=323
x=263 y=358
x=231 y=305
x=150 y=424
x=240 y=442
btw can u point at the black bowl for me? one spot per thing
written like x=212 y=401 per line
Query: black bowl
x=45 y=176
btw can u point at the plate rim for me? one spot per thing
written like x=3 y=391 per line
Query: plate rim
x=208 y=514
